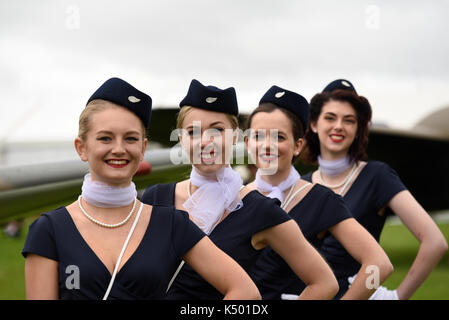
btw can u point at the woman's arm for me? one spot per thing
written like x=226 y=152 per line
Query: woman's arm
x=41 y=278
x=432 y=243
x=289 y=242
x=221 y=271
x=361 y=245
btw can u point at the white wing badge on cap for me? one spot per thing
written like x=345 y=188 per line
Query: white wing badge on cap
x=345 y=83
x=211 y=99
x=133 y=99
x=279 y=94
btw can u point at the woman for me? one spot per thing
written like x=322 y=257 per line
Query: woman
x=239 y=220
x=274 y=143
x=337 y=137
x=108 y=244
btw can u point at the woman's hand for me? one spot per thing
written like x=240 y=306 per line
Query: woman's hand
x=432 y=242
x=362 y=246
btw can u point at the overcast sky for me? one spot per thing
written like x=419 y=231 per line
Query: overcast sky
x=55 y=54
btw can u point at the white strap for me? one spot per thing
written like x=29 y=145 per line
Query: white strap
x=349 y=180
x=174 y=275
x=289 y=199
x=122 y=252
x=289 y=193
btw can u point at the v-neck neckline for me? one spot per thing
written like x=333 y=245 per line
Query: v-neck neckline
x=350 y=188
x=97 y=258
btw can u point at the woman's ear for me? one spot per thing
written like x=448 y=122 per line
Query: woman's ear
x=298 y=146
x=80 y=148
x=313 y=127
x=144 y=148
x=236 y=135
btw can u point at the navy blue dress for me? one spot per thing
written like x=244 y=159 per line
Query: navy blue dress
x=376 y=184
x=319 y=210
x=169 y=235
x=232 y=235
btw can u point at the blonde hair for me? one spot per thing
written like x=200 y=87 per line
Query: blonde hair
x=93 y=107
x=185 y=109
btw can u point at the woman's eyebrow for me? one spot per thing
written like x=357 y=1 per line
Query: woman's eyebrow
x=345 y=116
x=111 y=133
x=215 y=123
x=104 y=132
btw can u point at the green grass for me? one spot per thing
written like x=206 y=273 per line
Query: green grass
x=397 y=241
x=12 y=264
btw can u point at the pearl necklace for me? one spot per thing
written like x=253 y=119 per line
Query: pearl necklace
x=347 y=178
x=105 y=224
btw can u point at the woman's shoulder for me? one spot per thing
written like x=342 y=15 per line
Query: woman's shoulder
x=318 y=189
x=249 y=193
x=159 y=194
x=376 y=166
x=53 y=216
x=319 y=196
x=158 y=186
x=379 y=169
x=246 y=189
x=308 y=176
x=42 y=233
x=168 y=214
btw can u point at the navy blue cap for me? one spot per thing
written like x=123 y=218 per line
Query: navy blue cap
x=125 y=95
x=289 y=100
x=339 y=84
x=211 y=98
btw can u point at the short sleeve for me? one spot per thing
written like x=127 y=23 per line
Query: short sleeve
x=159 y=195
x=333 y=210
x=269 y=214
x=186 y=234
x=41 y=239
x=388 y=185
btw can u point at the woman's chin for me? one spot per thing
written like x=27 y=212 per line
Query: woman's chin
x=208 y=168
x=267 y=165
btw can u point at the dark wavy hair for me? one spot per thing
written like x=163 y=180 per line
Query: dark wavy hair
x=297 y=127
x=362 y=107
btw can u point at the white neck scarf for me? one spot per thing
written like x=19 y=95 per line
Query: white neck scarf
x=213 y=197
x=277 y=191
x=334 y=167
x=103 y=195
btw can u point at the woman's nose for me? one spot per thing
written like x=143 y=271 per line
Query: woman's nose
x=118 y=147
x=208 y=137
x=338 y=124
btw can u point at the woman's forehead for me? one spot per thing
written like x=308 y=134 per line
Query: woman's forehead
x=339 y=108
x=204 y=118
x=115 y=118
x=271 y=120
